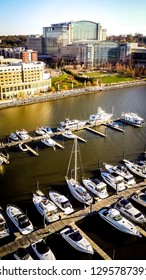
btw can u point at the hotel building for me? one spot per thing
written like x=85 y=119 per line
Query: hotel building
x=23 y=79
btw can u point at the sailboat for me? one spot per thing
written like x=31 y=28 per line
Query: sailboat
x=76 y=189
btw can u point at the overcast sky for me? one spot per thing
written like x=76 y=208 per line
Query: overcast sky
x=30 y=16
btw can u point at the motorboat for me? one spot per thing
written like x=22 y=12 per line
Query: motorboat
x=22 y=254
x=76 y=189
x=113 y=124
x=42 y=250
x=1 y=160
x=96 y=186
x=71 y=125
x=13 y=137
x=47 y=129
x=100 y=116
x=20 y=220
x=61 y=201
x=122 y=171
x=40 y=131
x=5 y=154
x=23 y=147
x=114 y=218
x=68 y=134
x=136 y=167
x=139 y=197
x=113 y=180
x=132 y=118
x=45 y=207
x=48 y=142
x=22 y=134
x=129 y=211
x=76 y=240
x=4 y=229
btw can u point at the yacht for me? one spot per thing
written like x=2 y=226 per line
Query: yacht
x=76 y=189
x=132 y=118
x=13 y=137
x=114 y=218
x=122 y=171
x=42 y=250
x=40 y=131
x=129 y=211
x=47 y=129
x=49 y=142
x=4 y=230
x=22 y=134
x=68 y=134
x=45 y=207
x=139 y=197
x=138 y=168
x=76 y=240
x=96 y=187
x=20 y=220
x=100 y=116
x=114 y=180
x=61 y=201
x=71 y=125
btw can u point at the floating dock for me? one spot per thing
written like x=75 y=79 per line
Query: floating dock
x=95 y=131
x=31 y=150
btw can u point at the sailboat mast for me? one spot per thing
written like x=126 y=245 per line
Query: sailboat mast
x=76 y=159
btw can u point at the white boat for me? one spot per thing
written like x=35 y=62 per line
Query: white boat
x=132 y=118
x=22 y=254
x=13 y=137
x=139 y=197
x=114 y=180
x=45 y=207
x=1 y=160
x=100 y=116
x=68 y=134
x=129 y=211
x=137 y=168
x=76 y=240
x=122 y=171
x=114 y=218
x=49 y=142
x=4 y=230
x=40 y=131
x=61 y=201
x=47 y=129
x=23 y=147
x=20 y=220
x=71 y=125
x=42 y=250
x=5 y=154
x=76 y=189
x=22 y=134
x=96 y=186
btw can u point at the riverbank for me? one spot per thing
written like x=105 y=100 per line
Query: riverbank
x=66 y=93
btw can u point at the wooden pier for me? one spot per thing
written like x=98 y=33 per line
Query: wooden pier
x=96 y=132
x=32 y=150
x=114 y=127
x=25 y=241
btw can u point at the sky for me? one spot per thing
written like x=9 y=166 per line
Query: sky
x=26 y=17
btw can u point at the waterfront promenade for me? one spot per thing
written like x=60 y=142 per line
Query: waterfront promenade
x=66 y=93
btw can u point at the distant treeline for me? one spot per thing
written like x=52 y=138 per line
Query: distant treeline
x=13 y=41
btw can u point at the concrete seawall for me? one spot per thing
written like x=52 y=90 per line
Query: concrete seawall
x=66 y=93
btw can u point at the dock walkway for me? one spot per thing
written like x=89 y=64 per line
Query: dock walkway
x=25 y=241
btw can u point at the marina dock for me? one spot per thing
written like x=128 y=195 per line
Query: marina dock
x=25 y=241
x=95 y=131
x=32 y=150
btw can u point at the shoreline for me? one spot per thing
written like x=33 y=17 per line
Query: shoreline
x=66 y=93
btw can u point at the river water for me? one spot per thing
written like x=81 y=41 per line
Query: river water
x=18 y=179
